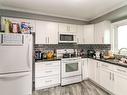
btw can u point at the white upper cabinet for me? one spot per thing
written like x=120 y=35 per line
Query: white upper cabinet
x=89 y=34
x=52 y=32
x=80 y=33
x=67 y=28
x=40 y=34
x=72 y=28
x=46 y=32
x=102 y=32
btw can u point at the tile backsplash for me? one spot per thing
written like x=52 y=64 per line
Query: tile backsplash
x=73 y=46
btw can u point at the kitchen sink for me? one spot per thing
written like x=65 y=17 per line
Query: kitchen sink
x=116 y=61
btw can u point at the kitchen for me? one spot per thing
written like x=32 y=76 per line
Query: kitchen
x=45 y=52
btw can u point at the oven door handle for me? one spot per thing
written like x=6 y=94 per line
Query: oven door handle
x=70 y=62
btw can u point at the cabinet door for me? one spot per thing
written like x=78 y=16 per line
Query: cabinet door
x=99 y=33
x=63 y=28
x=120 y=84
x=89 y=34
x=97 y=71
x=40 y=35
x=102 y=32
x=72 y=28
x=84 y=69
x=67 y=28
x=106 y=79
x=107 y=32
x=91 y=69
x=80 y=33
x=52 y=33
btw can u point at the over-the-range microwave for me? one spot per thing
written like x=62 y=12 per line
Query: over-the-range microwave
x=67 y=37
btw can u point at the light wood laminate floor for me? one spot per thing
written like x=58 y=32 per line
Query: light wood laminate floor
x=83 y=88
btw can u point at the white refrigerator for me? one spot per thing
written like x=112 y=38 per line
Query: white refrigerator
x=16 y=64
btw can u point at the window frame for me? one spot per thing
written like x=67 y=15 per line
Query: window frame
x=114 y=36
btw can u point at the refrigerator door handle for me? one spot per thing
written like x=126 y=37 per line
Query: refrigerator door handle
x=28 y=62
x=14 y=75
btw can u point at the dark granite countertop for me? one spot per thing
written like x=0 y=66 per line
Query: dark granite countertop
x=111 y=61
x=54 y=59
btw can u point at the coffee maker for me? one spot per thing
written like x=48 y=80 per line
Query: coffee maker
x=91 y=53
x=38 y=55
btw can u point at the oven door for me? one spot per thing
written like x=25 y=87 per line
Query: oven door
x=71 y=68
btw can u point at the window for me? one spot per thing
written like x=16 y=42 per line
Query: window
x=119 y=37
x=122 y=36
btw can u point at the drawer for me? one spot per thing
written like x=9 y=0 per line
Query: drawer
x=47 y=72
x=46 y=82
x=121 y=70
x=71 y=80
x=105 y=65
x=45 y=65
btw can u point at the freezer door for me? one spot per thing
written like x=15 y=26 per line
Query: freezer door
x=16 y=58
x=16 y=84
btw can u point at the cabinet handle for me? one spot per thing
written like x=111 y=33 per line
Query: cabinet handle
x=121 y=70
x=113 y=76
x=97 y=64
x=102 y=39
x=110 y=76
x=67 y=29
x=77 y=40
x=48 y=63
x=48 y=39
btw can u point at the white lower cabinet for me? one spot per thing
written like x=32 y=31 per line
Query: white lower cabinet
x=47 y=74
x=93 y=70
x=111 y=77
x=105 y=79
x=84 y=68
x=120 y=84
x=120 y=80
x=45 y=82
x=97 y=71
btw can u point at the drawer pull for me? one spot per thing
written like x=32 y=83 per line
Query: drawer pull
x=48 y=64
x=104 y=65
x=121 y=70
x=49 y=81
x=48 y=71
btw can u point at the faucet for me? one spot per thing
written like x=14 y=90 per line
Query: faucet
x=121 y=50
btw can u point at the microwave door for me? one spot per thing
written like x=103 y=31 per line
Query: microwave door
x=67 y=38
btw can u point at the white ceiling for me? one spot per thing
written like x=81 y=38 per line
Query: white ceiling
x=76 y=9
